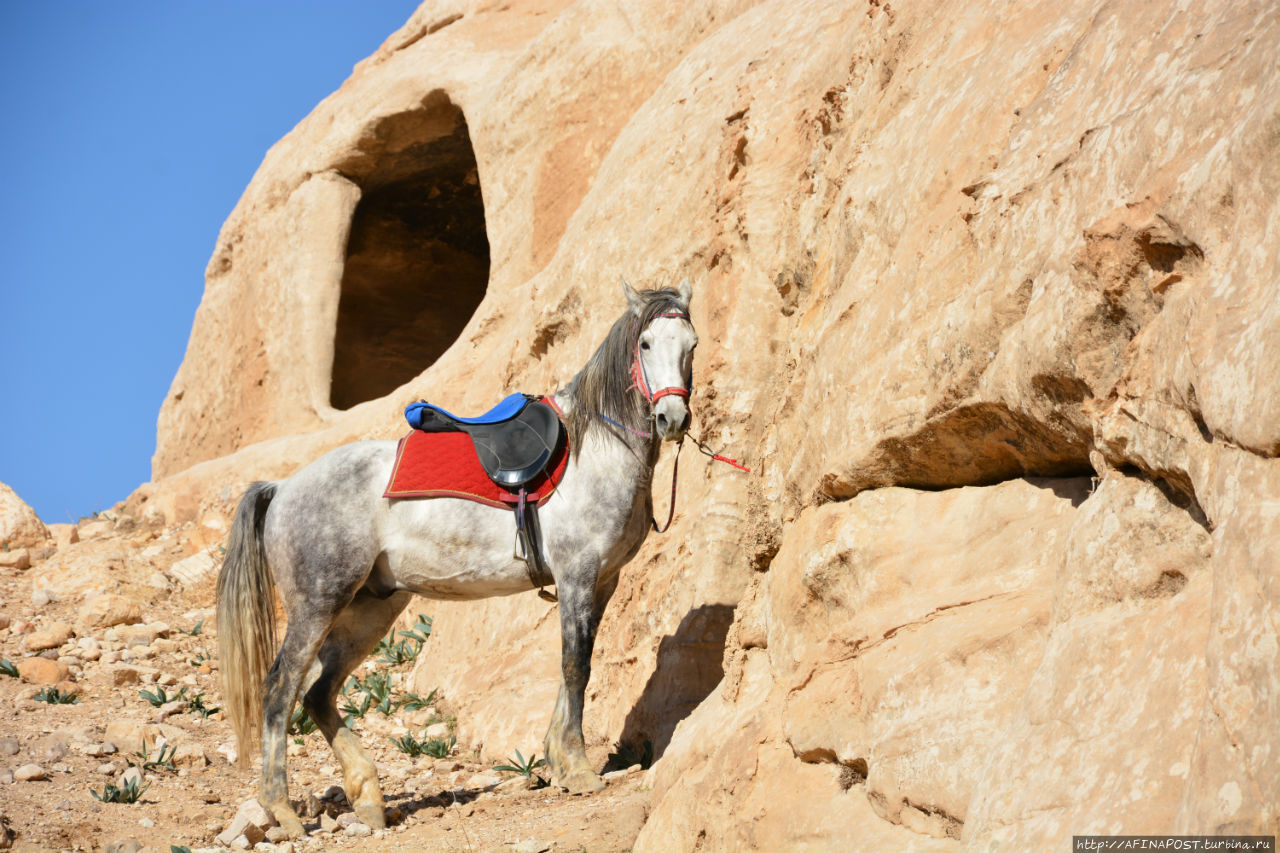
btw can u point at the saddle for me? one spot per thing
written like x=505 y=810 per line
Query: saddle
x=515 y=443
x=514 y=440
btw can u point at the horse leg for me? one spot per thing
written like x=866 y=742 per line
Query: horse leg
x=564 y=746
x=353 y=636
x=301 y=642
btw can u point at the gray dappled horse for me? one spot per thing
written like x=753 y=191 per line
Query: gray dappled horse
x=345 y=560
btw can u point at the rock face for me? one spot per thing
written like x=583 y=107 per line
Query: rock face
x=987 y=297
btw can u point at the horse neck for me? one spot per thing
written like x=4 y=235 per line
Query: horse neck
x=614 y=450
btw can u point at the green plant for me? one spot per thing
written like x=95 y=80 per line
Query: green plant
x=196 y=706
x=624 y=756
x=196 y=630
x=202 y=656
x=7 y=667
x=395 y=653
x=54 y=696
x=414 y=702
x=179 y=848
x=523 y=766
x=410 y=745
x=159 y=697
x=420 y=631
x=163 y=761
x=128 y=792
x=438 y=747
x=300 y=723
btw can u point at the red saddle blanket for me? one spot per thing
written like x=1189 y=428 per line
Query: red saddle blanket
x=445 y=465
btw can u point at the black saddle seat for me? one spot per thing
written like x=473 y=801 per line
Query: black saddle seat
x=513 y=451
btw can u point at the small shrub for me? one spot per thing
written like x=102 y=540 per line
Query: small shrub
x=163 y=761
x=54 y=696
x=7 y=667
x=202 y=656
x=129 y=792
x=196 y=630
x=196 y=706
x=300 y=723
x=414 y=702
x=523 y=766
x=159 y=697
x=410 y=745
x=438 y=747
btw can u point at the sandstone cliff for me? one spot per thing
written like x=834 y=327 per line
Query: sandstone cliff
x=988 y=302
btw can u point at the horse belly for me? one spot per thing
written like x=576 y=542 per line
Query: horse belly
x=451 y=549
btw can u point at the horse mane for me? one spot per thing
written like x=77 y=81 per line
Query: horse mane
x=604 y=385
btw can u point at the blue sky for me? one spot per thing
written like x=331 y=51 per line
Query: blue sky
x=129 y=132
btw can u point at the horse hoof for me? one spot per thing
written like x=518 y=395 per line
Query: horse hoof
x=291 y=825
x=582 y=782
x=371 y=815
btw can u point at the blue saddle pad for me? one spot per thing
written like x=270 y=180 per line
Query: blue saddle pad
x=416 y=413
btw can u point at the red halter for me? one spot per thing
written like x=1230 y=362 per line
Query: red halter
x=641 y=383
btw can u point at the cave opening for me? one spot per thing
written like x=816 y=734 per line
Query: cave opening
x=417 y=259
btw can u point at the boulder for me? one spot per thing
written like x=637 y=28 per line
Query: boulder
x=107 y=610
x=50 y=637
x=20 y=527
x=41 y=670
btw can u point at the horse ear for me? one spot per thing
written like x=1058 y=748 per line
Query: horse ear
x=634 y=299
x=686 y=292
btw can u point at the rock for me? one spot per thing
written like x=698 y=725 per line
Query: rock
x=328 y=824
x=484 y=781
x=124 y=845
x=358 y=830
x=437 y=730
x=190 y=755
x=277 y=834
x=124 y=675
x=132 y=776
x=41 y=670
x=4 y=621
x=251 y=821
x=17 y=559
x=30 y=773
x=19 y=525
x=144 y=635
x=6 y=776
x=64 y=535
x=106 y=610
x=9 y=746
x=196 y=568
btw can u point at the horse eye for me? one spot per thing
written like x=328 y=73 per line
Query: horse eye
x=644 y=345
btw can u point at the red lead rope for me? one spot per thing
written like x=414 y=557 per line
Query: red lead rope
x=675 y=472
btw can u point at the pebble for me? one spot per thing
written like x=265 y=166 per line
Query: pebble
x=359 y=830
x=42 y=598
x=30 y=773
x=6 y=776
x=9 y=746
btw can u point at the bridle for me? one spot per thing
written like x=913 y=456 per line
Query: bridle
x=640 y=381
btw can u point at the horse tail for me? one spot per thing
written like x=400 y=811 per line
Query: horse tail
x=246 y=619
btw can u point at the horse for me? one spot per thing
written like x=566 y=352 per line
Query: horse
x=345 y=561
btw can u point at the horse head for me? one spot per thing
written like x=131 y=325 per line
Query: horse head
x=662 y=366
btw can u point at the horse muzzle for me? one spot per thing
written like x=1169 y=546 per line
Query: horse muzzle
x=671 y=418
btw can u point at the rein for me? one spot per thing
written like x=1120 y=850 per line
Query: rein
x=640 y=382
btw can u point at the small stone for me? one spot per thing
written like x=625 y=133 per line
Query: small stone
x=276 y=834
x=147 y=822
x=264 y=847
x=107 y=610
x=6 y=776
x=530 y=846
x=107 y=769
x=359 y=830
x=124 y=845
x=30 y=773
x=18 y=558
x=328 y=824
x=9 y=746
x=40 y=670
x=43 y=598
x=50 y=638
x=132 y=776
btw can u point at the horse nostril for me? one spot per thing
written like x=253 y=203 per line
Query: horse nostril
x=684 y=423
x=662 y=421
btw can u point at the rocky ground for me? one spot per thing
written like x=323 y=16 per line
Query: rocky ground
x=118 y=613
